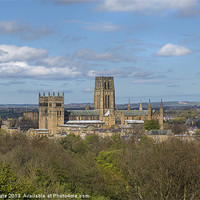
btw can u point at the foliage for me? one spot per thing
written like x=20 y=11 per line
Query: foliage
x=2 y=131
x=178 y=129
x=189 y=113
x=106 y=159
x=197 y=135
x=151 y=125
x=103 y=168
x=168 y=170
x=10 y=183
x=69 y=141
x=177 y=120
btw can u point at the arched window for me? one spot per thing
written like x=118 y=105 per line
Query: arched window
x=106 y=102
x=46 y=124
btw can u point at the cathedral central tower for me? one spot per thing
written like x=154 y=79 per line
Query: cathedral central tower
x=104 y=94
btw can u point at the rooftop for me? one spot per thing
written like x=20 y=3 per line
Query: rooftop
x=85 y=122
x=83 y=112
x=134 y=112
x=72 y=125
x=159 y=132
x=134 y=121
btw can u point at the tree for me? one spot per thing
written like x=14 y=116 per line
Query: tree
x=197 y=135
x=168 y=170
x=151 y=125
x=70 y=141
x=178 y=120
x=115 y=186
x=178 y=129
x=11 y=184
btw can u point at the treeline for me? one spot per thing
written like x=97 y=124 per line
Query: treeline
x=102 y=168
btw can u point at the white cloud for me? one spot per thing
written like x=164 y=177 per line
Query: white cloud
x=13 y=53
x=92 y=55
x=186 y=8
x=24 y=70
x=54 y=72
x=56 y=61
x=27 y=62
x=108 y=72
x=65 y=2
x=150 y=81
x=112 y=56
x=173 y=85
x=24 y=31
x=103 y=27
x=88 y=90
x=124 y=72
x=173 y=50
x=7 y=27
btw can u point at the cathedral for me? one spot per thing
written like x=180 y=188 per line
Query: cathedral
x=54 y=119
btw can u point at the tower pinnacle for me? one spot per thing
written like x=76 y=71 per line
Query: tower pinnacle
x=140 y=105
x=129 y=105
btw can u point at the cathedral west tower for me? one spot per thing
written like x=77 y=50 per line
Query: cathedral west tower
x=51 y=112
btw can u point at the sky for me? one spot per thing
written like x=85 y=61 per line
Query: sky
x=150 y=47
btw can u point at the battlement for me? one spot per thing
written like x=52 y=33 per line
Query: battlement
x=51 y=95
x=104 y=78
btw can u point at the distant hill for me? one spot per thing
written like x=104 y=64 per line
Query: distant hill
x=78 y=106
x=167 y=105
x=155 y=105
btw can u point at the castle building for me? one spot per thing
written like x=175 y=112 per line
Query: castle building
x=55 y=119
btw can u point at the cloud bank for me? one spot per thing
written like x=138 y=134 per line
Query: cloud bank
x=103 y=27
x=24 y=62
x=66 y=2
x=28 y=62
x=111 y=56
x=14 y=53
x=24 y=31
x=185 y=8
x=131 y=72
x=180 y=8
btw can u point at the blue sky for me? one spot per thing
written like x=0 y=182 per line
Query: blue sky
x=151 y=47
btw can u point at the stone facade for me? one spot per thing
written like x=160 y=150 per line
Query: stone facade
x=104 y=115
x=51 y=112
x=32 y=116
x=104 y=94
x=159 y=135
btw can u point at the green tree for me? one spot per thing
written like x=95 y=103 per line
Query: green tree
x=115 y=186
x=10 y=183
x=178 y=120
x=197 y=135
x=188 y=113
x=70 y=141
x=178 y=129
x=8 y=179
x=168 y=170
x=151 y=125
